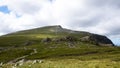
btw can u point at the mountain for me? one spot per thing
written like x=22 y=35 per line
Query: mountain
x=55 y=42
x=57 y=31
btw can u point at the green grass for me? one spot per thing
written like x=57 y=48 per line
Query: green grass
x=70 y=63
x=57 y=54
x=11 y=54
x=83 y=53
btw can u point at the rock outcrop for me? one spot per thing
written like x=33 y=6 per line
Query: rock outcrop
x=101 y=40
x=97 y=40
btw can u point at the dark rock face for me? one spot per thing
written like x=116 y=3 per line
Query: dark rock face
x=100 y=40
x=92 y=38
x=97 y=40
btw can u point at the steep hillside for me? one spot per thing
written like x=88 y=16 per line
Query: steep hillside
x=56 y=42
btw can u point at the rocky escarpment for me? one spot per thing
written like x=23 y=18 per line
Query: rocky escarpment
x=95 y=39
x=98 y=40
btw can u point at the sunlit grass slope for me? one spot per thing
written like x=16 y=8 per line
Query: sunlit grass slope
x=57 y=54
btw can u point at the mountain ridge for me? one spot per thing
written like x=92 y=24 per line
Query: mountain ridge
x=58 y=30
x=54 y=28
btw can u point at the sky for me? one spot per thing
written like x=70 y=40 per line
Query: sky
x=95 y=16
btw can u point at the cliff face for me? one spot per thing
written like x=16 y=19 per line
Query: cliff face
x=98 y=40
x=101 y=40
x=95 y=39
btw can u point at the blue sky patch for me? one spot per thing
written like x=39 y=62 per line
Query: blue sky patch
x=4 y=9
x=116 y=41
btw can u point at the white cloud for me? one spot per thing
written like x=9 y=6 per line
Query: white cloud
x=96 y=16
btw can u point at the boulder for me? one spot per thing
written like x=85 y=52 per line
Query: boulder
x=46 y=40
x=85 y=39
x=70 y=38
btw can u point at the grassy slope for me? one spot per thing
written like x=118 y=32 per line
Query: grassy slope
x=13 y=46
x=70 y=63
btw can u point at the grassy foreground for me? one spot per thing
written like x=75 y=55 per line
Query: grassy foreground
x=69 y=63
